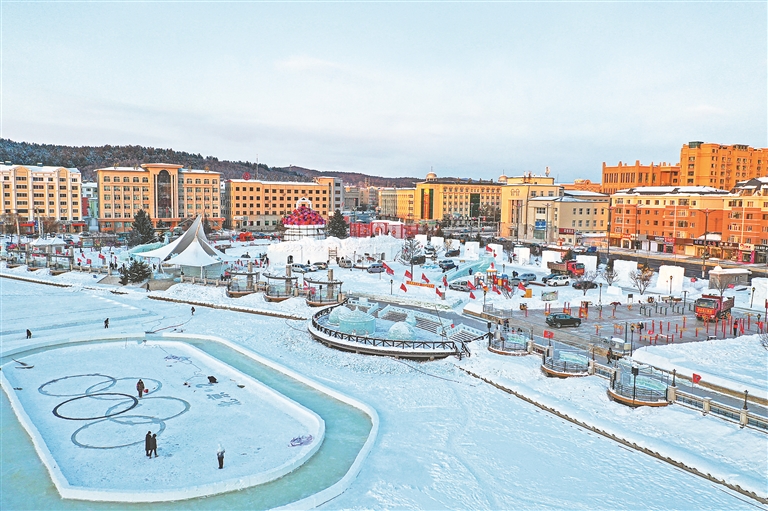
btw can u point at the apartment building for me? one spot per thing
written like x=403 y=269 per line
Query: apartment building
x=387 y=203
x=406 y=205
x=671 y=219
x=721 y=166
x=256 y=205
x=168 y=193
x=38 y=193
x=580 y=219
x=337 y=185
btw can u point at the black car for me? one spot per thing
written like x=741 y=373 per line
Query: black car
x=453 y=253
x=446 y=264
x=584 y=285
x=560 y=320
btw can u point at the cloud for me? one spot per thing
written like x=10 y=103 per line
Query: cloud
x=306 y=63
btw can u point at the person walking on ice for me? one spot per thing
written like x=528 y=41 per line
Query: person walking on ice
x=153 y=445
x=148 y=444
x=220 y=456
x=29 y=333
x=193 y=311
x=106 y=323
x=140 y=387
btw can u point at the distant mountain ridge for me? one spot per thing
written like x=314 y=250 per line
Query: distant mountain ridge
x=90 y=158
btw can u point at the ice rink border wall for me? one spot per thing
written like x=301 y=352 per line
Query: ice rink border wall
x=67 y=492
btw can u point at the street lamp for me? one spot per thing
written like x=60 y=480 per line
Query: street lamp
x=608 y=240
x=752 y=298
x=391 y=282
x=670 y=285
x=600 y=296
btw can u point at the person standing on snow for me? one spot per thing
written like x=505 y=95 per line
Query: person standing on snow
x=220 y=456
x=148 y=444
x=153 y=445
x=140 y=387
x=106 y=323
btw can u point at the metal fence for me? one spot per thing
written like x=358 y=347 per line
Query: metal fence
x=638 y=393
x=512 y=343
x=564 y=366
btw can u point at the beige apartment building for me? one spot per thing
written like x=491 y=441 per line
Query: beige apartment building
x=38 y=193
x=168 y=193
x=387 y=203
x=516 y=191
x=260 y=205
x=406 y=205
x=580 y=219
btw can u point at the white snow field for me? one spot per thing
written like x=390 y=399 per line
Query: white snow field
x=91 y=390
x=445 y=440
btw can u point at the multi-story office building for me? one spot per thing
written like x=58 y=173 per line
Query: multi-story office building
x=46 y=194
x=516 y=191
x=337 y=185
x=721 y=166
x=577 y=219
x=387 y=203
x=455 y=198
x=168 y=193
x=352 y=198
x=260 y=205
x=624 y=176
x=406 y=205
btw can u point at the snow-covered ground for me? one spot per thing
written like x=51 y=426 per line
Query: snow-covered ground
x=446 y=440
x=740 y=364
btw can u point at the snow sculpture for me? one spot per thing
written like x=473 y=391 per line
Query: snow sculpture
x=549 y=256
x=523 y=255
x=410 y=318
x=676 y=273
x=334 y=318
x=400 y=331
x=357 y=323
x=304 y=222
x=590 y=262
x=472 y=250
x=623 y=269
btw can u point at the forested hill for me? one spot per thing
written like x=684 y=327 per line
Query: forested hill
x=88 y=159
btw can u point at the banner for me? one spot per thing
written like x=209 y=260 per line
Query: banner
x=422 y=284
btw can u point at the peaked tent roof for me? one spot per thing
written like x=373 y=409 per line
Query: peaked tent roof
x=194 y=236
x=194 y=255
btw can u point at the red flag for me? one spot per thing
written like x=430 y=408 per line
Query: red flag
x=520 y=286
x=548 y=334
x=488 y=249
x=472 y=295
x=424 y=278
x=402 y=286
x=408 y=275
x=445 y=281
x=437 y=290
x=471 y=286
x=696 y=378
x=509 y=289
x=390 y=271
x=385 y=265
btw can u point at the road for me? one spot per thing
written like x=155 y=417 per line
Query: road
x=692 y=265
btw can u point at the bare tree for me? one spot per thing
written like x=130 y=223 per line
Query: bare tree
x=719 y=282
x=586 y=281
x=641 y=279
x=610 y=275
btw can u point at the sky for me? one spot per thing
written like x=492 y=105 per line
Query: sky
x=469 y=89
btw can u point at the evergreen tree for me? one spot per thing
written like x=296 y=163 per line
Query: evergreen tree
x=124 y=275
x=138 y=271
x=141 y=230
x=568 y=255
x=337 y=227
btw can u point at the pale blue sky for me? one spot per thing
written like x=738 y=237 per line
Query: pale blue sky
x=471 y=89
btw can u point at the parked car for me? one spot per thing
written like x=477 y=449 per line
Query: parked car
x=560 y=320
x=514 y=282
x=459 y=285
x=376 y=268
x=301 y=268
x=447 y=264
x=419 y=259
x=545 y=279
x=320 y=266
x=345 y=263
x=559 y=280
x=530 y=277
x=453 y=253
x=580 y=284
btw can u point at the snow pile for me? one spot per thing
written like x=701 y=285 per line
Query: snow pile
x=589 y=262
x=523 y=255
x=548 y=256
x=623 y=270
x=667 y=273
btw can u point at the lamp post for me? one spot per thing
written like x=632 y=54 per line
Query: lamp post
x=489 y=331
x=608 y=240
x=635 y=370
x=705 y=253
x=670 y=285
x=752 y=298
x=685 y=295
x=600 y=296
x=391 y=282
x=746 y=393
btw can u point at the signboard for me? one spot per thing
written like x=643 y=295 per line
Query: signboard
x=549 y=296
x=540 y=225
x=567 y=231
x=746 y=247
x=548 y=334
x=706 y=243
x=422 y=284
x=761 y=248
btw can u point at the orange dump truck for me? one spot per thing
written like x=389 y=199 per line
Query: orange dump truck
x=713 y=306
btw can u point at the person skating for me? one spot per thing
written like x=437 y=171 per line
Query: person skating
x=148 y=444
x=220 y=456
x=193 y=311
x=140 y=387
x=106 y=323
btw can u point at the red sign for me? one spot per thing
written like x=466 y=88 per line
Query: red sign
x=696 y=378
x=567 y=231
x=548 y=334
x=246 y=175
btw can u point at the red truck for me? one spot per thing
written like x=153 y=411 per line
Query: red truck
x=245 y=236
x=712 y=306
x=572 y=268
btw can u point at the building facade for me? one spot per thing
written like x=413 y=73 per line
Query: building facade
x=624 y=176
x=406 y=205
x=569 y=220
x=387 y=203
x=168 y=193
x=260 y=205
x=36 y=195
x=455 y=198
x=515 y=193
x=721 y=166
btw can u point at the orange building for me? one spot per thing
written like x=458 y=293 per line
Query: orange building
x=721 y=166
x=624 y=176
x=669 y=219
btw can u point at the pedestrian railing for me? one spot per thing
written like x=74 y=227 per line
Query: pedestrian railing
x=565 y=366
x=639 y=393
x=512 y=344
